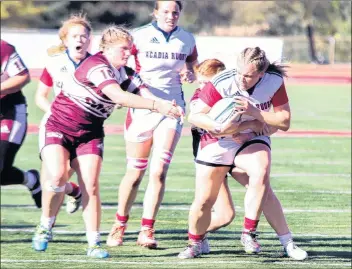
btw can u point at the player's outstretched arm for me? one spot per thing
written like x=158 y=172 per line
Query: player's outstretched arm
x=126 y=99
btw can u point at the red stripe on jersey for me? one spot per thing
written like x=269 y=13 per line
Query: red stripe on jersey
x=209 y=94
x=195 y=95
x=280 y=97
x=134 y=52
x=46 y=78
x=193 y=57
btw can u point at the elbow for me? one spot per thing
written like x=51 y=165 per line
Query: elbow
x=286 y=125
x=27 y=79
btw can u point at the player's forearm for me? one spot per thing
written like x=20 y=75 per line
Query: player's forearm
x=43 y=103
x=280 y=120
x=127 y=99
x=201 y=120
x=14 y=84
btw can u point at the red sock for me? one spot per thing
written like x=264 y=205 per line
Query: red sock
x=76 y=191
x=195 y=238
x=250 y=225
x=148 y=223
x=122 y=219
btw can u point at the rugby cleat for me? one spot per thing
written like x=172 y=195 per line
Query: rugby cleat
x=294 y=252
x=115 y=237
x=73 y=204
x=41 y=238
x=146 y=238
x=193 y=250
x=97 y=252
x=250 y=243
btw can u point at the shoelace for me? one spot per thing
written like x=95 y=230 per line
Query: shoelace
x=149 y=233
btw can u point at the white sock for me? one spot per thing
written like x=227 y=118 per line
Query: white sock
x=46 y=222
x=29 y=180
x=285 y=239
x=93 y=238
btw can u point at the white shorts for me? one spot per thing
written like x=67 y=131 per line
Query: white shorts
x=141 y=123
x=212 y=152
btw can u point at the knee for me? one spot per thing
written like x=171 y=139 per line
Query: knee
x=158 y=175
x=259 y=176
x=92 y=188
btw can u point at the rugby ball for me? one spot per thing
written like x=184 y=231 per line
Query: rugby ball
x=223 y=110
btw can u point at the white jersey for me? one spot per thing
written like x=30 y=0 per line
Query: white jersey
x=59 y=70
x=159 y=58
x=269 y=91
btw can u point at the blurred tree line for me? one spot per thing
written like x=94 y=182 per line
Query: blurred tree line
x=220 y=17
x=267 y=17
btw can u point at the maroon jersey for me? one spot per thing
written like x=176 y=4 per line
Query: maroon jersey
x=81 y=107
x=11 y=65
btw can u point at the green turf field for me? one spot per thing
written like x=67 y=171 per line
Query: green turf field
x=311 y=177
x=313 y=107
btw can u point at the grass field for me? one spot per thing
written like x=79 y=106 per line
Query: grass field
x=311 y=177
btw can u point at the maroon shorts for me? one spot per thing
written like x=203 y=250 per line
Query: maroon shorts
x=76 y=146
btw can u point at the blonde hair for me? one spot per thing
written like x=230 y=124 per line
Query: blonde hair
x=209 y=67
x=114 y=34
x=257 y=57
x=75 y=19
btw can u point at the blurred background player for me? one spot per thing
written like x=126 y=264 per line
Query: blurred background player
x=62 y=62
x=13 y=121
x=74 y=130
x=263 y=85
x=223 y=211
x=164 y=54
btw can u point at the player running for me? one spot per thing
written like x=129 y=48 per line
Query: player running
x=13 y=121
x=161 y=50
x=61 y=63
x=74 y=130
x=223 y=211
x=258 y=85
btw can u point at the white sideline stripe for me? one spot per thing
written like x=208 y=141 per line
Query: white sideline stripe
x=274 y=161
x=57 y=231
x=21 y=188
x=174 y=263
x=272 y=175
x=186 y=208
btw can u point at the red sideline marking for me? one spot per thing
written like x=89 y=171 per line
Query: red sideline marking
x=314 y=78
x=118 y=129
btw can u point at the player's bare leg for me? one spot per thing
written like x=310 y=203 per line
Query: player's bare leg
x=223 y=210
x=54 y=159
x=223 y=213
x=165 y=141
x=208 y=182
x=88 y=169
x=255 y=160
x=274 y=214
x=137 y=163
